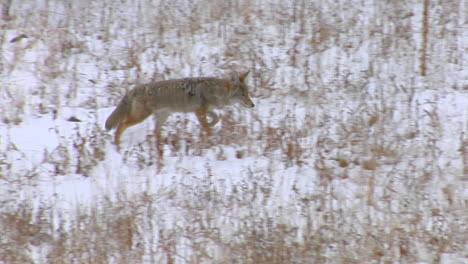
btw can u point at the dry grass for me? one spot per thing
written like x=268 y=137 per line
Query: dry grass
x=357 y=165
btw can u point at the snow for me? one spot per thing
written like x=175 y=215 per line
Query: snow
x=313 y=102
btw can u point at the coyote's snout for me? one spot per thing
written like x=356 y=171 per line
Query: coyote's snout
x=198 y=95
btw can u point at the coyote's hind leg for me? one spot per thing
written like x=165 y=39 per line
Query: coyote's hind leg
x=131 y=120
x=160 y=119
x=201 y=115
x=214 y=118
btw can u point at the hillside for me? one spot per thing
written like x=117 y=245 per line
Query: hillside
x=356 y=151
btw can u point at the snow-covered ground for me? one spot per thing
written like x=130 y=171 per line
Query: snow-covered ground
x=350 y=155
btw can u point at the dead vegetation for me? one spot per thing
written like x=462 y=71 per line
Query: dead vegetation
x=351 y=155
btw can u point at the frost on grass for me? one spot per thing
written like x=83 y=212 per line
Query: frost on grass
x=350 y=156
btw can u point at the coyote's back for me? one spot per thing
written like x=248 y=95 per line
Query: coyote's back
x=198 y=95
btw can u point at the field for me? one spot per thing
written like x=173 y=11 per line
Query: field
x=356 y=151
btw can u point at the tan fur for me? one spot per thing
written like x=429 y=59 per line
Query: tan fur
x=197 y=95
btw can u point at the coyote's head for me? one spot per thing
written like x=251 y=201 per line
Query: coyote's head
x=241 y=92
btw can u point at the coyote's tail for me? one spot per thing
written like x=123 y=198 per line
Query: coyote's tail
x=119 y=114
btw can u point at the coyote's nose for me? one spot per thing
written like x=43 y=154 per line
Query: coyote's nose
x=248 y=103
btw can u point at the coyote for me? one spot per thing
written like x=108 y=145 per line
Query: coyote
x=199 y=95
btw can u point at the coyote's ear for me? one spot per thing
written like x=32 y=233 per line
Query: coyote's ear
x=235 y=80
x=243 y=76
